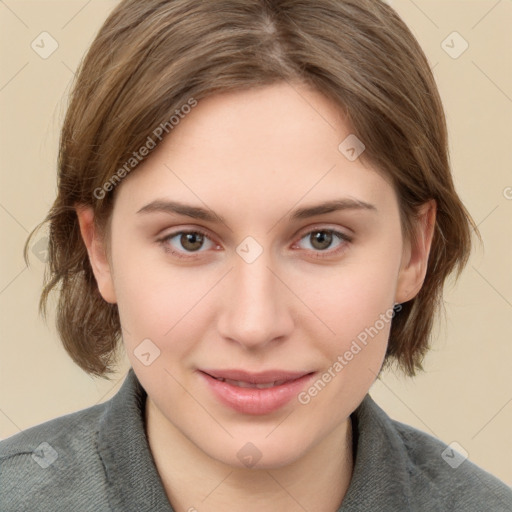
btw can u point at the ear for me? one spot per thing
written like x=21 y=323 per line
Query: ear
x=415 y=256
x=96 y=249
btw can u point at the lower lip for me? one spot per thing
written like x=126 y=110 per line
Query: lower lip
x=254 y=400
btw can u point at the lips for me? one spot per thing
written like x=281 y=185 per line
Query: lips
x=255 y=393
x=244 y=384
x=266 y=377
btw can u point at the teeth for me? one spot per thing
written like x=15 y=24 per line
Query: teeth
x=264 y=386
x=242 y=384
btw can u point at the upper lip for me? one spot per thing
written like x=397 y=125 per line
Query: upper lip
x=255 y=378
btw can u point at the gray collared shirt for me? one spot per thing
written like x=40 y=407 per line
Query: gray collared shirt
x=98 y=460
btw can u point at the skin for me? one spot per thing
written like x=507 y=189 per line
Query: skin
x=253 y=157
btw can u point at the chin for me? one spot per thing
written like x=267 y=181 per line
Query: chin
x=257 y=454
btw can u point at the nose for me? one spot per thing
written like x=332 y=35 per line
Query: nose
x=257 y=307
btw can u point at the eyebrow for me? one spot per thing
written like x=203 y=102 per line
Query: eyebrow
x=196 y=212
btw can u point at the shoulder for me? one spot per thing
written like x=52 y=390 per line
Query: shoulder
x=54 y=462
x=443 y=474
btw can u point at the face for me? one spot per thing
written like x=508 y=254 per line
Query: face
x=224 y=265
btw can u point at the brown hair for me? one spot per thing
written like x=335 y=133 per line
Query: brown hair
x=150 y=58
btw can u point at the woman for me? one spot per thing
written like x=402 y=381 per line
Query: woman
x=256 y=198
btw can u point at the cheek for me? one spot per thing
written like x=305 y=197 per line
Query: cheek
x=359 y=311
x=161 y=302
x=353 y=296
x=356 y=304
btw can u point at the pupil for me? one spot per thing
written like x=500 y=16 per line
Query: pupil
x=191 y=241
x=324 y=238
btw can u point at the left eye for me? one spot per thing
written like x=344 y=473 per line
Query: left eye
x=322 y=239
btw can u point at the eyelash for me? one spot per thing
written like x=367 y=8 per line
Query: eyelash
x=318 y=254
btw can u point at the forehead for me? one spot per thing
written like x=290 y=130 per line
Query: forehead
x=262 y=123
x=252 y=149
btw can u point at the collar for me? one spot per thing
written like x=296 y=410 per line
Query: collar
x=133 y=482
x=379 y=480
x=381 y=475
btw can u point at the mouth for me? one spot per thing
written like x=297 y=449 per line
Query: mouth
x=259 y=380
x=243 y=384
x=255 y=393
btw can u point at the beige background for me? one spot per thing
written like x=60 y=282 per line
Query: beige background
x=466 y=394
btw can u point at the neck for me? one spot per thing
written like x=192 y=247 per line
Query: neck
x=193 y=481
